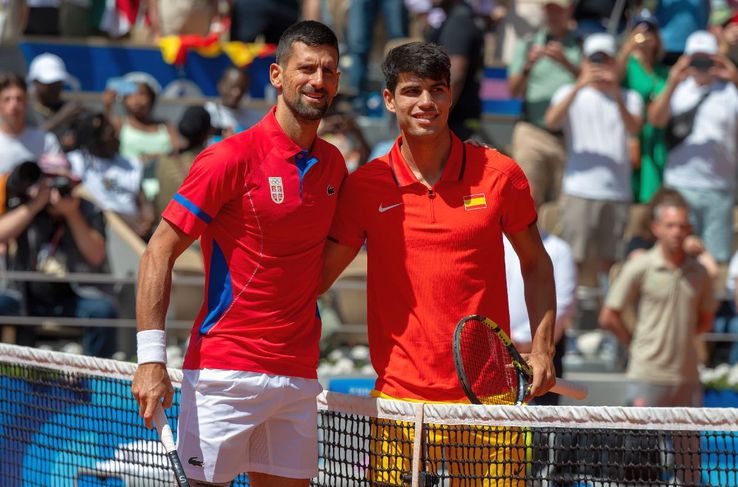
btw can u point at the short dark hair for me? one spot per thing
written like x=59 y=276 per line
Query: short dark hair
x=423 y=59
x=667 y=198
x=11 y=79
x=233 y=70
x=195 y=124
x=88 y=129
x=308 y=32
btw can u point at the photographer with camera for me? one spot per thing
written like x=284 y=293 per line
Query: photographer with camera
x=699 y=109
x=56 y=233
x=597 y=117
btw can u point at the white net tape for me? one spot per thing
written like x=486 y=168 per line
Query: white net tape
x=586 y=417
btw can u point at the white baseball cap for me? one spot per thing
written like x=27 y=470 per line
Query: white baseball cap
x=701 y=42
x=47 y=68
x=599 y=42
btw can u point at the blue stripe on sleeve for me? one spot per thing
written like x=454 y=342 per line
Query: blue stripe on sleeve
x=192 y=207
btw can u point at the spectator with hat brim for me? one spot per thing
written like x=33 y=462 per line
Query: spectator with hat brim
x=640 y=69
x=540 y=66
x=597 y=117
x=699 y=109
x=50 y=111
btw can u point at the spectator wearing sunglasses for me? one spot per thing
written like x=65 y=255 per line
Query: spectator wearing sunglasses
x=699 y=109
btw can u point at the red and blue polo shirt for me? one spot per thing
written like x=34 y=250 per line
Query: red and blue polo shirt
x=434 y=256
x=262 y=207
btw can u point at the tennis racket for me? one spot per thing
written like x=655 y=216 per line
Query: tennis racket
x=491 y=370
x=167 y=439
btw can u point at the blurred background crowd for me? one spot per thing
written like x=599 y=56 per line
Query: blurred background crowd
x=608 y=106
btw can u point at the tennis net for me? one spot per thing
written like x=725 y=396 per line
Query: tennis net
x=71 y=420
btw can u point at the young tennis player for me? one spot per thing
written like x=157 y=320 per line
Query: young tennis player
x=432 y=213
x=261 y=203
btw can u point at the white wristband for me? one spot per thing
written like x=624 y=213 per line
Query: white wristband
x=151 y=346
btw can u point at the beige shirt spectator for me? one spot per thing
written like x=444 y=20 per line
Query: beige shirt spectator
x=13 y=17
x=669 y=301
x=183 y=17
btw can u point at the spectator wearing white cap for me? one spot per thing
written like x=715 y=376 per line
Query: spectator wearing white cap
x=20 y=142
x=13 y=19
x=142 y=136
x=597 y=117
x=699 y=108
x=49 y=111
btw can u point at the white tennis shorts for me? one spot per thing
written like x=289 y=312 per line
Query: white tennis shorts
x=235 y=421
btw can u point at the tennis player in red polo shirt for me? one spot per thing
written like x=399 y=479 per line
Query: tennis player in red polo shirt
x=432 y=213
x=261 y=202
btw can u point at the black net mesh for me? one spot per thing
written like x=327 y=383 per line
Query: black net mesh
x=60 y=428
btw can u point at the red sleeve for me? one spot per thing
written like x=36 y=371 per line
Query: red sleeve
x=348 y=225
x=215 y=178
x=518 y=208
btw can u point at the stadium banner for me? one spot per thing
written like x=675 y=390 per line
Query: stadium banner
x=91 y=65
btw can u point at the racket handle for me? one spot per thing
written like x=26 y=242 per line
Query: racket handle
x=167 y=439
x=570 y=389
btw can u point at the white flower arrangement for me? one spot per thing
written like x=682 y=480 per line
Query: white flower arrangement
x=722 y=377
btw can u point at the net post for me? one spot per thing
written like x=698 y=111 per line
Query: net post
x=418 y=443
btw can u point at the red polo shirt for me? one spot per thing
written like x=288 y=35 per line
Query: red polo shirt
x=262 y=208
x=434 y=256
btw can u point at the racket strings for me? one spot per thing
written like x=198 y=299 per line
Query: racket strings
x=488 y=365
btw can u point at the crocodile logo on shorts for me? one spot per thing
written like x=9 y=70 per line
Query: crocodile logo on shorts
x=195 y=461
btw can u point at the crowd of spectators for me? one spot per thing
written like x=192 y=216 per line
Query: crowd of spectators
x=620 y=100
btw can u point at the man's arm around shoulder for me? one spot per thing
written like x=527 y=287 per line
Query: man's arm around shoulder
x=151 y=384
x=336 y=257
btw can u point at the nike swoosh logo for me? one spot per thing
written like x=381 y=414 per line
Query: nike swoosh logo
x=382 y=209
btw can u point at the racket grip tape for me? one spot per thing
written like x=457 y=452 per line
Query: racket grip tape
x=167 y=439
x=179 y=474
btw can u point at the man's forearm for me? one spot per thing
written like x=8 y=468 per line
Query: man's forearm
x=517 y=84
x=14 y=222
x=88 y=240
x=153 y=291
x=556 y=114
x=659 y=112
x=610 y=320
x=540 y=299
x=632 y=124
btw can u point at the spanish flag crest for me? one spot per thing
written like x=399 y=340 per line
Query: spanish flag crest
x=475 y=202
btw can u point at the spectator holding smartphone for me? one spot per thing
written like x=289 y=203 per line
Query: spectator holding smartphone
x=49 y=110
x=597 y=117
x=141 y=135
x=699 y=109
x=640 y=69
x=540 y=66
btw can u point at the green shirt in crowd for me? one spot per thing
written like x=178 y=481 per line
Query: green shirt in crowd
x=546 y=76
x=647 y=180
